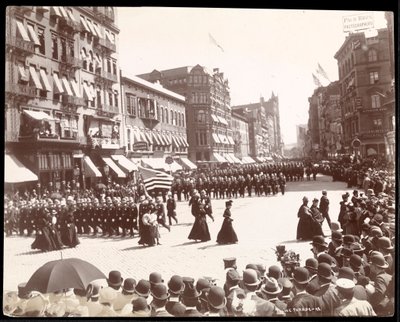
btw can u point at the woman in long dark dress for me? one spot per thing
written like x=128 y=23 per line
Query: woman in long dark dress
x=42 y=240
x=68 y=231
x=149 y=229
x=304 y=227
x=317 y=218
x=200 y=228
x=227 y=235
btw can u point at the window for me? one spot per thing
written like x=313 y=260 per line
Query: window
x=128 y=139
x=54 y=46
x=372 y=55
x=175 y=118
x=179 y=119
x=108 y=65
x=183 y=120
x=91 y=61
x=71 y=49
x=114 y=70
x=377 y=123
x=63 y=49
x=200 y=116
x=98 y=97
x=131 y=104
x=166 y=115
x=162 y=114
x=373 y=77
x=198 y=155
x=42 y=48
x=375 y=101
x=110 y=97
x=116 y=99
x=172 y=117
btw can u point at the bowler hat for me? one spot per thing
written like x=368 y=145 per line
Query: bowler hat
x=378 y=218
x=348 y=239
x=142 y=288
x=228 y=203
x=114 y=279
x=155 y=278
x=22 y=292
x=357 y=247
x=355 y=261
x=271 y=286
x=274 y=271
x=365 y=227
x=346 y=272
x=319 y=240
x=129 y=285
x=190 y=292
x=337 y=236
x=92 y=291
x=140 y=304
x=216 y=297
x=286 y=283
x=175 y=284
x=311 y=264
x=232 y=275
x=261 y=268
x=325 y=258
x=301 y=275
x=378 y=259
x=325 y=271
x=250 y=277
x=363 y=280
x=230 y=262
x=203 y=285
x=305 y=198
x=159 y=291
x=346 y=252
x=315 y=200
x=375 y=231
x=384 y=243
x=336 y=227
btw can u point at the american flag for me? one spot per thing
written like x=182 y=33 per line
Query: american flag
x=214 y=42
x=316 y=80
x=154 y=179
x=322 y=72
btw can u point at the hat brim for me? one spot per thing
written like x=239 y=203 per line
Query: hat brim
x=219 y=307
x=162 y=298
x=279 y=290
x=115 y=284
x=302 y=282
x=319 y=244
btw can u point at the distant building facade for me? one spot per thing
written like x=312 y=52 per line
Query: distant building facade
x=240 y=130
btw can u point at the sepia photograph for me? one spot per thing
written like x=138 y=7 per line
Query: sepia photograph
x=199 y=162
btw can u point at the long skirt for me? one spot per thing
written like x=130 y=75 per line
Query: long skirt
x=69 y=236
x=148 y=235
x=43 y=241
x=304 y=228
x=227 y=235
x=200 y=229
x=316 y=228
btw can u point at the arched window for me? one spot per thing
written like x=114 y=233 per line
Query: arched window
x=172 y=117
x=372 y=55
x=91 y=66
x=183 y=120
x=162 y=114
x=84 y=56
x=179 y=119
x=166 y=116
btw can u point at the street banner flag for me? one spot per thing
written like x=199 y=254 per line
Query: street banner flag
x=214 y=42
x=322 y=72
x=153 y=179
x=316 y=81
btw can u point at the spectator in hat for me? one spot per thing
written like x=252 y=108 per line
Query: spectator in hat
x=140 y=308
x=275 y=272
x=376 y=233
x=359 y=291
x=160 y=297
x=317 y=218
x=190 y=298
x=319 y=245
x=271 y=290
x=324 y=207
x=126 y=295
x=342 y=218
x=386 y=248
x=23 y=296
x=302 y=304
x=366 y=239
x=171 y=208
x=311 y=265
x=93 y=304
x=356 y=264
x=335 y=245
x=304 y=226
x=335 y=226
x=231 y=287
x=253 y=305
x=229 y=262
x=114 y=280
x=381 y=279
x=350 y=306
x=287 y=286
x=203 y=287
x=227 y=234
x=216 y=301
x=155 y=279
x=175 y=289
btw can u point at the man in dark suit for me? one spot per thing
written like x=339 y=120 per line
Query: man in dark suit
x=190 y=298
x=175 y=289
x=324 y=207
x=171 y=208
x=160 y=298
x=303 y=303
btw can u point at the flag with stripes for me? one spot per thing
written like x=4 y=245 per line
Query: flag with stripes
x=214 y=42
x=153 y=179
x=316 y=81
x=322 y=72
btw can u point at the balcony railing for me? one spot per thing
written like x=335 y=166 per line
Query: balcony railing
x=102 y=75
x=72 y=100
x=105 y=143
x=36 y=137
x=105 y=109
x=148 y=116
x=21 y=46
x=21 y=90
x=68 y=25
x=70 y=62
x=107 y=44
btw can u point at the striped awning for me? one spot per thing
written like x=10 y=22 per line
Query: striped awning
x=114 y=167
x=124 y=163
x=155 y=163
x=218 y=157
x=214 y=118
x=229 y=158
x=38 y=115
x=15 y=171
x=230 y=140
x=90 y=168
x=216 y=138
x=186 y=163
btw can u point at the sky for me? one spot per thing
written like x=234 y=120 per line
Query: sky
x=263 y=50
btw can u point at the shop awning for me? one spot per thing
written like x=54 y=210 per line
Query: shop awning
x=175 y=142
x=230 y=140
x=75 y=88
x=248 y=160
x=35 y=77
x=219 y=157
x=89 y=24
x=84 y=24
x=268 y=159
x=15 y=171
x=179 y=140
x=38 y=115
x=22 y=74
x=222 y=120
x=258 y=159
x=57 y=81
x=149 y=137
x=64 y=12
x=71 y=15
x=235 y=158
x=56 y=11
x=167 y=139
x=214 y=118
x=96 y=28
x=90 y=169
x=114 y=167
x=216 y=138
x=86 y=90
x=144 y=138
x=125 y=163
x=45 y=80
x=155 y=163
x=22 y=31
x=185 y=143
x=223 y=138
x=229 y=158
x=67 y=87
x=33 y=35
x=174 y=166
x=156 y=139
x=186 y=163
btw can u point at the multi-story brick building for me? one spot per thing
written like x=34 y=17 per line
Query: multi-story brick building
x=155 y=124
x=208 y=111
x=272 y=112
x=365 y=75
x=62 y=91
x=240 y=129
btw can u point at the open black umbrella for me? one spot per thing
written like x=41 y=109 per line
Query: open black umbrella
x=63 y=274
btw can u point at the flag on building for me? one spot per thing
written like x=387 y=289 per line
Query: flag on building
x=356 y=44
x=214 y=42
x=153 y=179
x=322 y=72
x=316 y=81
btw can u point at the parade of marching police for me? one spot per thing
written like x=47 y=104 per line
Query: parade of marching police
x=133 y=194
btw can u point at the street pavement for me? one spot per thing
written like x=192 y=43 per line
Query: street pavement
x=261 y=223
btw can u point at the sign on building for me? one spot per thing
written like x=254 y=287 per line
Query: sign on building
x=139 y=146
x=358 y=22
